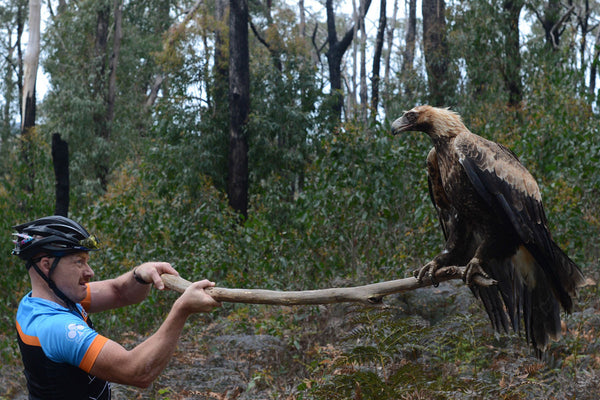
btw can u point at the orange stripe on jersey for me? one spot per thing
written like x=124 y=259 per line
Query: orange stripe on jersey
x=27 y=339
x=92 y=352
x=85 y=303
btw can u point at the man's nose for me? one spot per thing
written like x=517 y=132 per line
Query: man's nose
x=89 y=271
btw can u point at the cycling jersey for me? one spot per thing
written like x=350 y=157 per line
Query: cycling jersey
x=59 y=347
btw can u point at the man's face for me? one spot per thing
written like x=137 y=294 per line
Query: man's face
x=71 y=275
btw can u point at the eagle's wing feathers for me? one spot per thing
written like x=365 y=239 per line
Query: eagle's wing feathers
x=438 y=195
x=509 y=189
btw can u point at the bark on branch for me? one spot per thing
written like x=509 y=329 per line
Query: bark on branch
x=371 y=294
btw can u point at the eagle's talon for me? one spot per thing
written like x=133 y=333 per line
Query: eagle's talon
x=434 y=282
x=474 y=268
x=416 y=274
x=428 y=270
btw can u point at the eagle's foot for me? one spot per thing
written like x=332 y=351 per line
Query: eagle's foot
x=474 y=268
x=428 y=270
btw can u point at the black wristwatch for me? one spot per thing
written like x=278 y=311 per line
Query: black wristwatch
x=140 y=280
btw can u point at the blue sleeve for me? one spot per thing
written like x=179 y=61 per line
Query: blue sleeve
x=65 y=338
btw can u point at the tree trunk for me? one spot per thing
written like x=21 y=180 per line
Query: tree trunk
x=30 y=61
x=512 y=52
x=411 y=34
x=221 y=65
x=377 y=60
x=101 y=127
x=388 y=55
x=20 y=72
x=100 y=52
x=302 y=12
x=60 y=160
x=335 y=53
x=363 y=91
x=351 y=81
x=114 y=61
x=239 y=102
x=435 y=49
x=594 y=63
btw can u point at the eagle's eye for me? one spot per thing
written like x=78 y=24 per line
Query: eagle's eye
x=412 y=116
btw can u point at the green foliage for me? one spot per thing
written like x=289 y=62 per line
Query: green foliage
x=76 y=106
x=18 y=206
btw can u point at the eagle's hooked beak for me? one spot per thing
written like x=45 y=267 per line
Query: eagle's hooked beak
x=402 y=124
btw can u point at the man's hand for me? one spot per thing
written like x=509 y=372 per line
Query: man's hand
x=195 y=299
x=150 y=272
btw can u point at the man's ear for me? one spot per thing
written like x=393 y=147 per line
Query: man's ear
x=45 y=263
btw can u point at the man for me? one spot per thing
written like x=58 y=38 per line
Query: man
x=64 y=357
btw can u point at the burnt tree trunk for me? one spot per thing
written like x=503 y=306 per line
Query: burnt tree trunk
x=239 y=106
x=60 y=160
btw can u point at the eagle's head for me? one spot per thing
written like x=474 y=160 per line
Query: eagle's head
x=436 y=122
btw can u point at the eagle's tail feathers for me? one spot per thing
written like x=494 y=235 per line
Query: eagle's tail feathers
x=569 y=275
x=501 y=299
x=493 y=306
x=541 y=313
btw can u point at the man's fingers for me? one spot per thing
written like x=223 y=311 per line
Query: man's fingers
x=158 y=282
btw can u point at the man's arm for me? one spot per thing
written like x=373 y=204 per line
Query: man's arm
x=142 y=364
x=125 y=289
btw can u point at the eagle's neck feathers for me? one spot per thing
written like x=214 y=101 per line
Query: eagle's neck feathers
x=446 y=124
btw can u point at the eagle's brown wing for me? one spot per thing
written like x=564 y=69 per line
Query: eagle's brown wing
x=511 y=192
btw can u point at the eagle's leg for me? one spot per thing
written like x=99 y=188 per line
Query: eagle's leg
x=449 y=256
x=453 y=254
x=428 y=270
x=473 y=268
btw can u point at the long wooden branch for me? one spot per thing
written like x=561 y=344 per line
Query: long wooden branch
x=371 y=294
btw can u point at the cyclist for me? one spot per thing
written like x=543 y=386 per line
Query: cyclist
x=64 y=356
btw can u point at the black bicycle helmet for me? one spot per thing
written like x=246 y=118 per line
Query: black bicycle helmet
x=54 y=235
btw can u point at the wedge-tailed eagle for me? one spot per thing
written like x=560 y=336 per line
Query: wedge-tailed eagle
x=491 y=213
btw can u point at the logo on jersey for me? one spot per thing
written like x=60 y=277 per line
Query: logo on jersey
x=75 y=332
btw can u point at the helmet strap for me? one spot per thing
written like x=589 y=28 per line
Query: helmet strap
x=69 y=303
